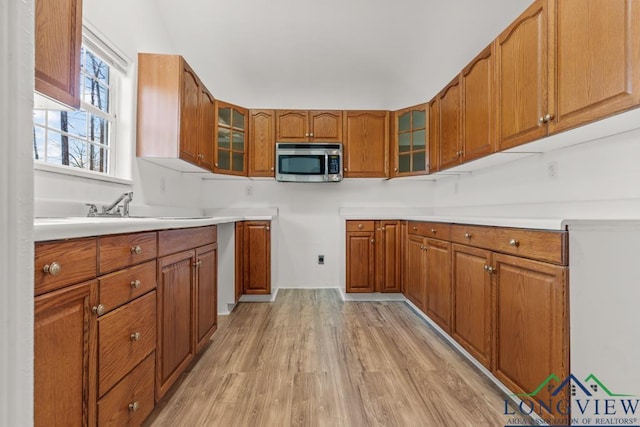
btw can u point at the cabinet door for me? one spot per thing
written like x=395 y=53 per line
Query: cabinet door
x=596 y=57
x=58 y=38
x=176 y=292
x=360 y=261
x=206 y=136
x=388 y=256
x=438 y=299
x=478 y=103
x=449 y=138
x=65 y=354
x=231 y=130
x=189 y=112
x=207 y=290
x=257 y=257
x=292 y=125
x=366 y=143
x=262 y=143
x=410 y=152
x=325 y=126
x=471 y=325
x=416 y=274
x=434 y=134
x=521 y=76
x=531 y=325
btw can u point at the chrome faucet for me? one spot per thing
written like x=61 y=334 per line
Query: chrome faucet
x=125 y=198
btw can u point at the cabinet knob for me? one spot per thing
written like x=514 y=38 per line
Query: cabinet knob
x=382 y=228
x=52 y=269
x=422 y=247
x=215 y=164
x=548 y=118
x=515 y=243
x=135 y=336
x=267 y=228
x=272 y=168
x=311 y=134
x=373 y=240
x=395 y=169
x=98 y=309
x=133 y=406
x=306 y=134
x=346 y=170
x=434 y=231
x=414 y=228
x=137 y=250
x=135 y=284
x=360 y=226
x=197 y=263
x=467 y=236
x=541 y=120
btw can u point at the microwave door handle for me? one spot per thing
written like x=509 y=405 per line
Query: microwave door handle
x=326 y=166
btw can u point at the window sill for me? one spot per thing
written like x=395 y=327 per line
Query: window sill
x=80 y=173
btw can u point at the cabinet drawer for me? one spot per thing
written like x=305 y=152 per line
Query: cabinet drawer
x=131 y=401
x=548 y=246
x=125 y=337
x=435 y=230
x=123 y=286
x=173 y=241
x=360 y=225
x=116 y=252
x=62 y=263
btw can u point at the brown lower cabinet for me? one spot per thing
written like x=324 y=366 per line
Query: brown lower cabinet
x=373 y=261
x=253 y=258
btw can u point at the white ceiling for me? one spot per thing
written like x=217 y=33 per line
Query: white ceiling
x=332 y=53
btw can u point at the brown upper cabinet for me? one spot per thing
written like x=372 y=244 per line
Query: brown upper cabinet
x=308 y=126
x=410 y=151
x=594 y=53
x=262 y=143
x=175 y=111
x=434 y=128
x=231 y=135
x=478 y=106
x=366 y=144
x=449 y=136
x=58 y=39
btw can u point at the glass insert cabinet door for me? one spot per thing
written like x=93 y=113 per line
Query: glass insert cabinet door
x=411 y=147
x=231 y=147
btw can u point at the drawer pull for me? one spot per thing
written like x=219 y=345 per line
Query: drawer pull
x=52 y=269
x=360 y=226
x=135 y=336
x=489 y=269
x=414 y=228
x=133 y=407
x=515 y=243
x=136 y=250
x=135 y=284
x=267 y=228
x=98 y=309
x=467 y=236
x=434 y=231
x=197 y=263
x=373 y=241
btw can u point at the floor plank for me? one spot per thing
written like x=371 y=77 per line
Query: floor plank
x=310 y=359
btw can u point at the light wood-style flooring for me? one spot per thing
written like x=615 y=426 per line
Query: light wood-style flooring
x=309 y=359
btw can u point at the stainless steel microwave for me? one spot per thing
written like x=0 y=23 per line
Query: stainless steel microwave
x=301 y=162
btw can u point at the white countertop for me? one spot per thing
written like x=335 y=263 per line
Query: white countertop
x=71 y=227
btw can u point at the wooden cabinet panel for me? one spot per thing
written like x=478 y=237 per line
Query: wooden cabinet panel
x=436 y=230
x=366 y=144
x=75 y=261
x=410 y=141
x=478 y=104
x=189 y=112
x=239 y=260
x=434 y=134
x=231 y=147
x=257 y=257
x=449 y=138
x=530 y=296
x=292 y=125
x=325 y=126
x=65 y=355
x=360 y=261
x=118 y=288
x=548 y=246
x=123 y=250
x=387 y=257
x=206 y=134
x=521 y=77
x=58 y=38
x=416 y=271
x=262 y=143
x=176 y=291
x=131 y=401
x=595 y=52
x=125 y=337
x=182 y=239
x=361 y=225
x=207 y=310
x=438 y=294
x=472 y=306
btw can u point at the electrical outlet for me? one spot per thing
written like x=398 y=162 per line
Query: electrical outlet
x=321 y=259
x=552 y=169
x=249 y=190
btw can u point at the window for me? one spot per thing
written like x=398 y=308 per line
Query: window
x=83 y=138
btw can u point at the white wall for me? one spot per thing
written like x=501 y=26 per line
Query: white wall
x=309 y=223
x=594 y=179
